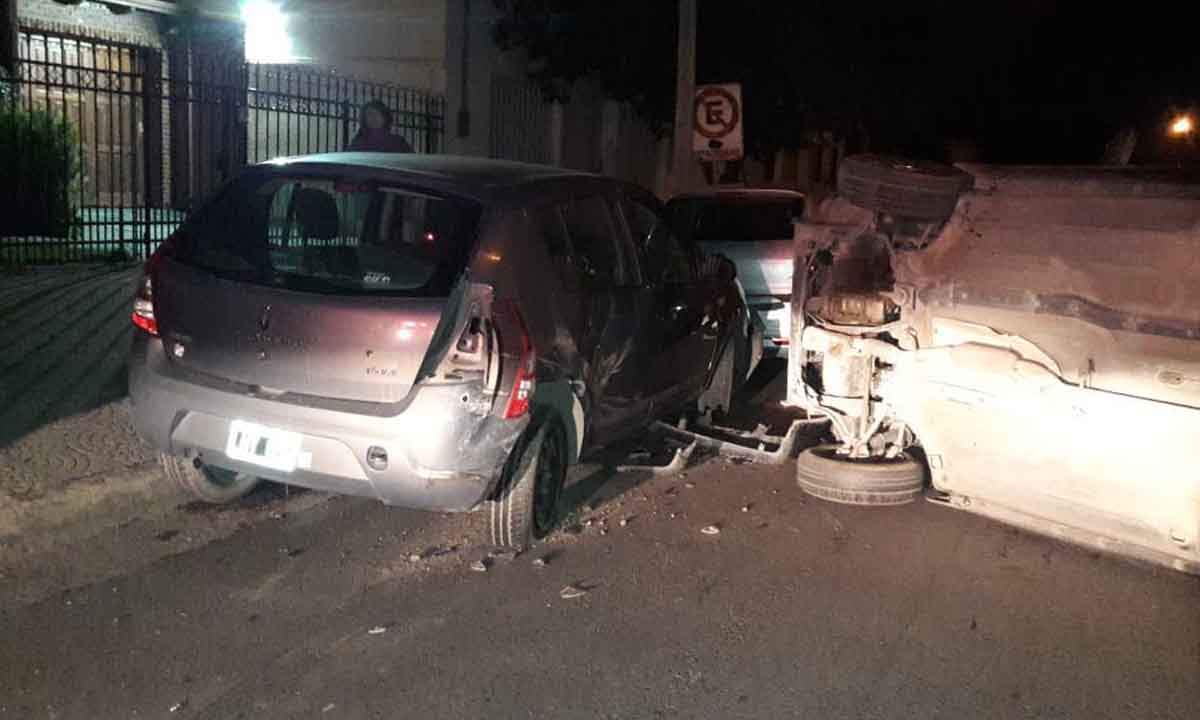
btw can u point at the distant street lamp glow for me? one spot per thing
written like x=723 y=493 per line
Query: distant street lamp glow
x=1182 y=126
x=266 y=35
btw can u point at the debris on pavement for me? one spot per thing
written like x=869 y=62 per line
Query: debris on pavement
x=733 y=452
x=745 y=508
x=625 y=521
x=678 y=463
x=505 y=555
x=572 y=591
x=377 y=630
x=479 y=566
x=539 y=562
x=689 y=485
x=328 y=707
x=433 y=552
x=710 y=530
x=178 y=706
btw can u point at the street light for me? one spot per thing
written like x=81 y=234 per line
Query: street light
x=1182 y=126
x=266 y=35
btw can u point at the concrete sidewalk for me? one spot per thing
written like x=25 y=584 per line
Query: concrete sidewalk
x=64 y=335
x=70 y=463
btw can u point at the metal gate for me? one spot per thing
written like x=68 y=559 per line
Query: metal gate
x=520 y=124
x=106 y=146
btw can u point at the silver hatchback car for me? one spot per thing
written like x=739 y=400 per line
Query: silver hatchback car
x=434 y=332
x=753 y=228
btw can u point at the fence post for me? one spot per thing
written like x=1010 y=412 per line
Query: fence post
x=431 y=138
x=181 y=96
x=347 y=114
x=152 y=139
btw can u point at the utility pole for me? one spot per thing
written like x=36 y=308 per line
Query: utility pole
x=685 y=91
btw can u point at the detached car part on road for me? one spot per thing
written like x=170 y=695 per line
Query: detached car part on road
x=434 y=332
x=1038 y=346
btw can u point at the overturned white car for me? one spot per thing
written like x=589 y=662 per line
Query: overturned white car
x=1022 y=343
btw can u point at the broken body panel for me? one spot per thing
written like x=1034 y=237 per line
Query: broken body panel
x=1042 y=348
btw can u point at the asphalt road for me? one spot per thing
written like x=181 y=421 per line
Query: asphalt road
x=797 y=608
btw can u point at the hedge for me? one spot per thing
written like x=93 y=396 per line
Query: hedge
x=41 y=163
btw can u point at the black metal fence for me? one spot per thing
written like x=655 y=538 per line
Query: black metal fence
x=105 y=147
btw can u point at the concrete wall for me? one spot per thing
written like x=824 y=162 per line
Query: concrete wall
x=472 y=59
x=90 y=19
x=401 y=42
x=494 y=111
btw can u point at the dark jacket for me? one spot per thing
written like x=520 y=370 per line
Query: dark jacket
x=377 y=139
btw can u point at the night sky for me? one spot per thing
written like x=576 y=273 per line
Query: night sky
x=1023 y=81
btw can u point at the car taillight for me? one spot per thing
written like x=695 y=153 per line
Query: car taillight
x=143 y=306
x=143 y=301
x=524 y=382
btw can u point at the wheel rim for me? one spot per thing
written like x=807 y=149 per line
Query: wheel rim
x=548 y=486
x=831 y=453
x=221 y=477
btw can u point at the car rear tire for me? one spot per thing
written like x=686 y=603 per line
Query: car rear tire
x=527 y=507
x=824 y=474
x=905 y=188
x=205 y=482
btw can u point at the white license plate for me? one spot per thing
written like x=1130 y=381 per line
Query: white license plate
x=261 y=445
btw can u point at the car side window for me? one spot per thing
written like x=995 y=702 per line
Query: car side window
x=593 y=238
x=663 y=256
x=549 y=229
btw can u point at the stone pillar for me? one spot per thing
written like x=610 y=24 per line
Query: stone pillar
x=8 y=37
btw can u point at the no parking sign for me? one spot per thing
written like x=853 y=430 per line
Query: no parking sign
x=718 y=122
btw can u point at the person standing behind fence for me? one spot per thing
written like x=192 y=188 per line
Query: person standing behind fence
x=375 y=131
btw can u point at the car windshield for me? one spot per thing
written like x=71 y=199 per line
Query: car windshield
x=329 y=235
x=732 y=220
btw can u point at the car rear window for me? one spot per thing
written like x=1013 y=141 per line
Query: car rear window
x=589 y=223
x=733 y=220
x=321 y=234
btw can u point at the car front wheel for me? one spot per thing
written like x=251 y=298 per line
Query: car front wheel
x=825 y=474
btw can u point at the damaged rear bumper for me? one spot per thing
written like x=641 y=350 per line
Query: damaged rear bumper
x=442 y=453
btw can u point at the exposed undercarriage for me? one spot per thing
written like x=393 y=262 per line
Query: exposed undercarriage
x=1036 y=351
